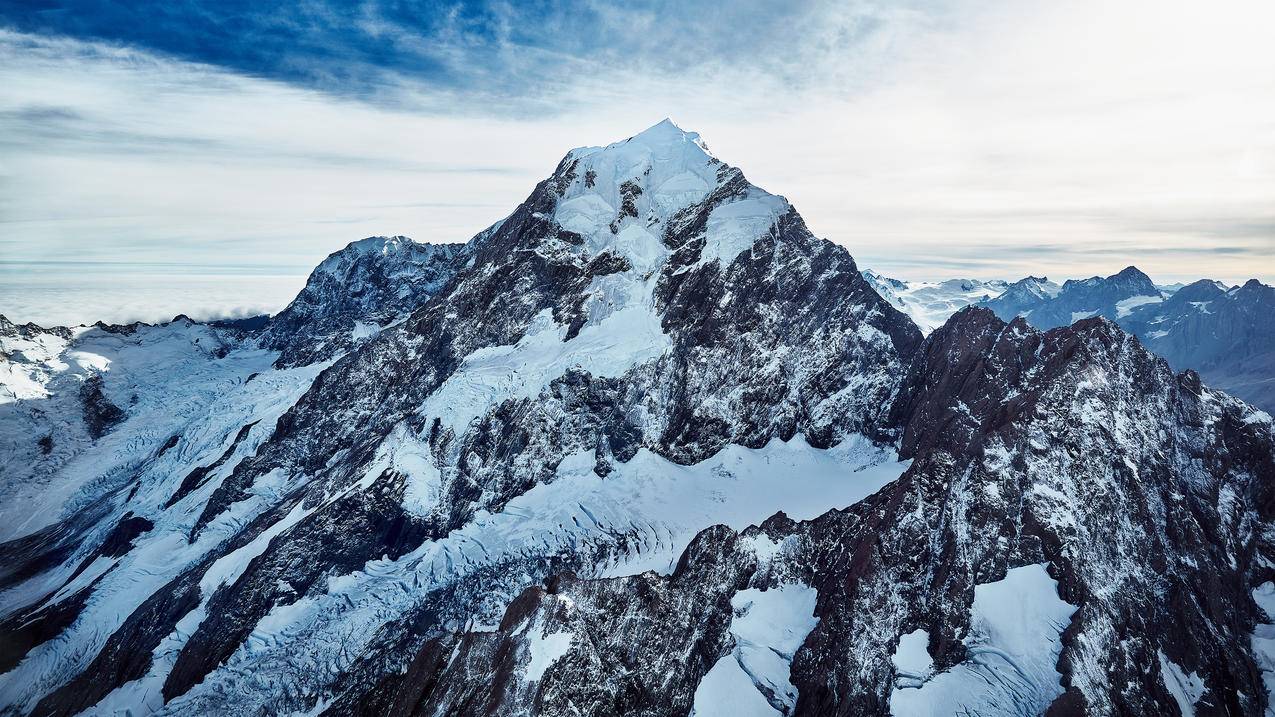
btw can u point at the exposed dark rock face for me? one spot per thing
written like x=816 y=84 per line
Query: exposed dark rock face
x=120 y=540
x=355 y=292
x=673 y=631
x=247 y=324
x=1227 y=334
x=449 y=518
x=100 y=415
x=22 y=631
x=199 y=475
x=30 y=330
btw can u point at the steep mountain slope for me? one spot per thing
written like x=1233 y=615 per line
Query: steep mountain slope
x=353 y=293
x=644 y=300
x=1079 y=532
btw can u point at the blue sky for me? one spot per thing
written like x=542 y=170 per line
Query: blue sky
x=158 y=157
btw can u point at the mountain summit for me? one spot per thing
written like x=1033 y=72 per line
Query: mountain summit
x=1047 y=305
x=644 y=446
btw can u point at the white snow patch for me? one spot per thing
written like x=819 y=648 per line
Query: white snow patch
x=912 y=662
x=409 y=456
x=630 y=334
x=585 y=214
x=1257 y=416
x=545 y=650
x=733 y=227
x=763 y=547
x=1185 y=688
x=1126 y=306
x=1012 y=648
x=364 y=330
x=1263 y=641
x=643 y=249
x=769 y=626
x=728 y=691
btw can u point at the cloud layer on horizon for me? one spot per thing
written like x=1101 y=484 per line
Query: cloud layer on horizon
x=933 y=140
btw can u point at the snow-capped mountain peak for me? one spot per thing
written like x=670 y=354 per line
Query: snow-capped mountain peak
x=642 y=311
x=663 y=137
x=643 y=445
x=627 y=197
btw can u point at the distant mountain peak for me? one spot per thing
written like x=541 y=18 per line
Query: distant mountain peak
x=1137 y=278
x=664 y=139
x=1131 y=271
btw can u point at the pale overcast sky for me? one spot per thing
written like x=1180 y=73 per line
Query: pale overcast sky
x=200 y=157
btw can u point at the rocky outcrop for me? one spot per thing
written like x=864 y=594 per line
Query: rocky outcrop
x=99 y=413
x=355 y=292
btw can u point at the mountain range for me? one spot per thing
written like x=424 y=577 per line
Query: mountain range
x=645 y=446
x=1225 y=333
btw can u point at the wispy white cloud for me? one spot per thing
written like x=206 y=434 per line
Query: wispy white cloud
x=1034 y=137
